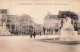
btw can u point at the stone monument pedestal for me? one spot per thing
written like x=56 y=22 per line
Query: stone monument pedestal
x=4 y=30
x=68 y=33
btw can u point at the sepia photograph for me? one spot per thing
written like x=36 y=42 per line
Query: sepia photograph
x=39 y=25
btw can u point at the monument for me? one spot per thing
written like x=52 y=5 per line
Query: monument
x=67 y=31
x=4 y=30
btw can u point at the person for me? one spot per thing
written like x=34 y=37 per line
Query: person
x=30 y=35
x=30 y=31
x=34 y=34
x=40 y=33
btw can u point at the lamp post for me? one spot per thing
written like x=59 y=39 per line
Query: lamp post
x=21 y=27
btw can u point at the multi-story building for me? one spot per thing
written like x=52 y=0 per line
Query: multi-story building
x=79 y=28
x=3 y=16
x=51 y=24
x=27 y=23
x=11 y=23
x=38 y=28
x=3 y=21
x=19 y=25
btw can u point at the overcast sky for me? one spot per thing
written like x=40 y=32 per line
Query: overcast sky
x=38 y=9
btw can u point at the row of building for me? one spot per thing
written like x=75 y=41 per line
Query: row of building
x=24 y=24
x=54 y=23
x=19 y=25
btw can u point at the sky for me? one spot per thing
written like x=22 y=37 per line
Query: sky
x=38 y=9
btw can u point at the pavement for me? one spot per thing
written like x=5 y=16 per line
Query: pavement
x=23 y=44
x=27 y=44
x=46 y=36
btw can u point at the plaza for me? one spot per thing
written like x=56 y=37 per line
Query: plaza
x=27 y=44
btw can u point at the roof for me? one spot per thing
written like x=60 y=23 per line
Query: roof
x=11 y=15
x=51 y=17
x=64 y=14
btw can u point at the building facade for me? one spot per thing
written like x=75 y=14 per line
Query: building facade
x=27 y=24
x=38 y=28
x=19 y=25
x=11 y=23
x=51 y=24
x=3 y=21
x=3 y=16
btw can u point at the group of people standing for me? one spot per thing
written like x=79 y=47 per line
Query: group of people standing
x=32 y=33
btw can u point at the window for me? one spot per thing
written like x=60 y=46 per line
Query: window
x=3 y=11
x=13 y=27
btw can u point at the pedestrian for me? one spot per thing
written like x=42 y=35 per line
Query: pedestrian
x=30 y=35
x=40 y=33
x=30 y=32
x=34 y=34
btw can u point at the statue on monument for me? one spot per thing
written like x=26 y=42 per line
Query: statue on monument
x=67 y=32
x=4 y=30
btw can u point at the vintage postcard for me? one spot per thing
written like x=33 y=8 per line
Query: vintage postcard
x=39 y=25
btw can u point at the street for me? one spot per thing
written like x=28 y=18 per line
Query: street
x=27 y=44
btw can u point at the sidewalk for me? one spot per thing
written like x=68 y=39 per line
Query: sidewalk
x=46 y=36
x=37 y=36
